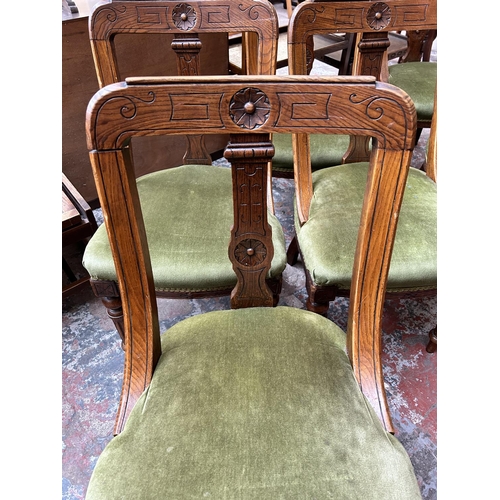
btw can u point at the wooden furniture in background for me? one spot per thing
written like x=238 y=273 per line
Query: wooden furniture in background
x=257 y=400
x=78 y=225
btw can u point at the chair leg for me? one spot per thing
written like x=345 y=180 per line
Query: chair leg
x=114 y=309
x=109 y=294
x=316 y=302
x=432 y=344
x=317 y=307
x=292 y=253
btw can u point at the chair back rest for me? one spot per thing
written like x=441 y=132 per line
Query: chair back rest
x=185 y=21
x=371 y=21
x=249 y=109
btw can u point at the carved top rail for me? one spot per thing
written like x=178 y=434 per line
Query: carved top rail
x=363 y=16
x=355 y=106
x=373 y=19
x=185 y=19
x=178 y=16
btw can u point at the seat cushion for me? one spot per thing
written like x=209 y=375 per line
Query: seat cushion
x=328 y=239
x=188 y=214
x=418 y=80
x=257 y=403
x=326 y=150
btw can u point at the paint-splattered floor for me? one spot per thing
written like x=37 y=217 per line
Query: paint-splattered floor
x=92 y=367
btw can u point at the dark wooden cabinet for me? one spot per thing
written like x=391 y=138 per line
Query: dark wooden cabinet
x=145 y=57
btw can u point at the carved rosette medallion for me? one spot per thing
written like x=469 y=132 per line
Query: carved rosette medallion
x=378 y=16
x=184 y=16
x=250 y=252
x=249 y=108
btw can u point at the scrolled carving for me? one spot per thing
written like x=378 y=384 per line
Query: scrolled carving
x=249 y=108
x=252 y=12
x=372 y=110
x=184 y=16
x=308 y=14
x=111 y=13
x=377 y=107
x=378 y=16
x=129 y=110
x=250 y=252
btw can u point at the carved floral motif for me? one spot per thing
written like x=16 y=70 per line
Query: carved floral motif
x=378 y=16
x=250 y=252
x=184 y=16
x=249 y=108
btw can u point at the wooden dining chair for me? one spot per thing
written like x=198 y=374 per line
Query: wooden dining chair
x=371 y=23
x=192 y=201
x=328 y=201
x=256 y=401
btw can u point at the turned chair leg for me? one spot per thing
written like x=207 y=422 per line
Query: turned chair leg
x=432 y=344
x=109 y=294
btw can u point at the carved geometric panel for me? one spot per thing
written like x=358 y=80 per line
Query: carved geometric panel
x=214 y=14
x=348 y=18
x=199 y=107
x=410 y=14
x=302 y=108
x=152 y=15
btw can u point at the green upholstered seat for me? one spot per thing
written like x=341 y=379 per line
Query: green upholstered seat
x=256 y=403
x=328 y=239
x=326 y=150
x=188 y=244
x=419 y=80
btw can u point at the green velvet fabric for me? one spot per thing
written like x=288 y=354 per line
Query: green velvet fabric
x=326 y=150
x=328 y=239
x=188 y=214
x=418 y=80
x=254 y=404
